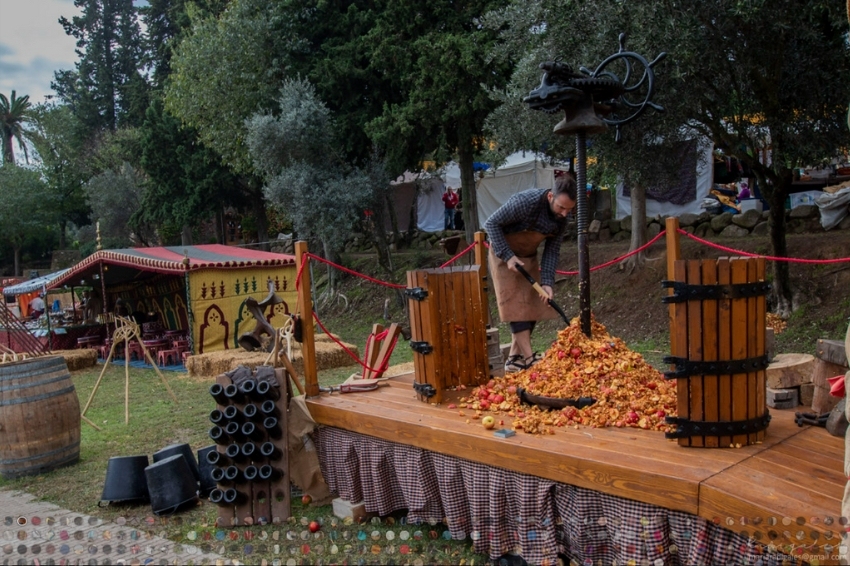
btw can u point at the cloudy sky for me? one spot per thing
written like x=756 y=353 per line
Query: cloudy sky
x=33 y=45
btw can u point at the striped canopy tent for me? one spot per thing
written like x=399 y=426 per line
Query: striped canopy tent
x=199 y=289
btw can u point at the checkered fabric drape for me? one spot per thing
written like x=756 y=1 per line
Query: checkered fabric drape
x=504 y=511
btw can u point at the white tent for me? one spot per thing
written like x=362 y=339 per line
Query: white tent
x=522 y=170
x=429 y=201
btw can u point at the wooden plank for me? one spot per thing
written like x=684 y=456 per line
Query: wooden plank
x=371 y=354
x=765 y=496
x=752 y=347
x=452 y=319
x=526 y=454
x=760 y=348
x=695 y=354
x=279 y=495
x=413 y=309
x=477 y=370
x=679 y=347
x=384 y=350
x=724 y=347
x=739 y=350
x=308 y=345
x=226 y=514
x=709 y=350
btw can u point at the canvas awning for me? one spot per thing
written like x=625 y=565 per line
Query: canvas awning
x=137 y=264
x=34 y=284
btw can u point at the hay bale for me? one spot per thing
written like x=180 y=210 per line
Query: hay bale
x=78 y=359
x=328 y=355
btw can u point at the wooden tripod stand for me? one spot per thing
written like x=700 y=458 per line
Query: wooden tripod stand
x=126 y=330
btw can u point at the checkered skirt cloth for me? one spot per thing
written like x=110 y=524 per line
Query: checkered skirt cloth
x=504 y=511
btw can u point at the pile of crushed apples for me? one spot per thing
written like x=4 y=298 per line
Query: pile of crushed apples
x=628 y=391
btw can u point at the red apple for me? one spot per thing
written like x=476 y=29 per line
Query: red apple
x=314 y=526
x=498 y=399
x=575 y=352
x=484 y=404
x=306 y=499
x=488 y=422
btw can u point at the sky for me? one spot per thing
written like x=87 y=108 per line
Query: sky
x=33 y=45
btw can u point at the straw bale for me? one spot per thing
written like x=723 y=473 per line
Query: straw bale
x=78 y=359
x=328 y=355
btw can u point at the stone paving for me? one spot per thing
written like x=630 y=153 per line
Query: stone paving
x=34 y=532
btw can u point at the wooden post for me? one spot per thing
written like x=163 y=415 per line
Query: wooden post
x=481 y=260
x=674 y=253
x=308 y=346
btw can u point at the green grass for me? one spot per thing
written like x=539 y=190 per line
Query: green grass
x=155 y=422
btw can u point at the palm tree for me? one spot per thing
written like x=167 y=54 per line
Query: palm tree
x=13 y=114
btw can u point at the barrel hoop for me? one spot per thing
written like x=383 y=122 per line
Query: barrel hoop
x=17 y=472
x=31 y=364
x=687 y=368
x=35 y=384
x=69 y=389
x=691 y=292
x=686 y=428
x=72 y=446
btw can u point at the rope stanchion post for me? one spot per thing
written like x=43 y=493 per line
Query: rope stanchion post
x=481 y=261
x=308 y=344
x=674 y=253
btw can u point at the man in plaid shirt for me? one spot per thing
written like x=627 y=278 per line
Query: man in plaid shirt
x=516 y=231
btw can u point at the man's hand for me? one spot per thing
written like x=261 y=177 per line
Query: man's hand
x=513 y=262
x=549 y=293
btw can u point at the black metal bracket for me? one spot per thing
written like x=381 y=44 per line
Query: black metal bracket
x=421 y=347
x=687 y=368
x=687 y=292
x=424 y=389
x=417 y=293
x=686 y=428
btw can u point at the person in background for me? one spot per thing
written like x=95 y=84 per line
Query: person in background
x=744 y=192
x=516 y=230
x=37 y=306
x=450 y=200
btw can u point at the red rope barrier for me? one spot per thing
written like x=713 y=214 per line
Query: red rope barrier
x=355 y=273
x=619 y=259
x=384 y=363
x=464 y=252
x=772 y=258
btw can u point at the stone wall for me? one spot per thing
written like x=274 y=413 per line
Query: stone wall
x=802 y=219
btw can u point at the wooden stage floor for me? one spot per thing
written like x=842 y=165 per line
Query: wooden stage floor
x=787 y=490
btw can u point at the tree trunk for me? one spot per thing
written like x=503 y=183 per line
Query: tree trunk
x=638 y=202
x=17 y=252
x=63 y=226
x=781 y=292
x=470 y=196
x=259 y=206
x=8 y=151
x=186 y=235
x=390 y=204
x=379 y=236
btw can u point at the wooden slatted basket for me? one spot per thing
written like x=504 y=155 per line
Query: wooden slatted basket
x=717 y=335
x=448 y=329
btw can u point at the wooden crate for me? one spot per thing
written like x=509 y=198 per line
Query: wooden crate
x=717 y=327
x=448 y=330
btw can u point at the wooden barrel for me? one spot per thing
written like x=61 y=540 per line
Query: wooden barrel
x=717 y=338
x=39 y=417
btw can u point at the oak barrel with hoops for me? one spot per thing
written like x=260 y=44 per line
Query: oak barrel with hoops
x=39 y=417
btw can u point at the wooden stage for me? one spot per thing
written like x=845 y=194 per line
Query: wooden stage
x=781 y=491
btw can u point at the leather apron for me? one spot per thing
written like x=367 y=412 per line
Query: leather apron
x=515 y=297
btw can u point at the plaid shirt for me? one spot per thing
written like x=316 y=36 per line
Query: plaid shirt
x=528 y=210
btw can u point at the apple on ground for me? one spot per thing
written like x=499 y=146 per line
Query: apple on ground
x=488 y=422
x=314 y=526
x=306 y=499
